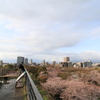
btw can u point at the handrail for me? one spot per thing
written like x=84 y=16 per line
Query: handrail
x=6 y=71
x=32 y=91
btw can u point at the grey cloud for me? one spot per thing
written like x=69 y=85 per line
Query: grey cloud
x=74 y=57
x=46 y=10
x=46 y=25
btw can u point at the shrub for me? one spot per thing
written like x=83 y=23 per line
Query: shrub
x=9 y=66
x=64 y=75
x=45 y=72
x=53 y=72
x=42 y=68
x=73 y=90
x=92 y=78
x=80 y=91
x=54 y=86
x=98 y=69
x=35 y=70
x=45 y=97
x=32 y=69
x=77 y=83
x=42 y=78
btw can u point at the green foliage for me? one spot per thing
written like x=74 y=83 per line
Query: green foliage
x=9 y=66
x=66 y=72
x=42 y=69
x=35 y=70
x=46 y=98
x=72 y=69
x=36 y=82
x=37 y=78
x=32 y=69
x=99 y=98
x=43 y=92
x=64 y=75
x=98 y=69
x=45 y=72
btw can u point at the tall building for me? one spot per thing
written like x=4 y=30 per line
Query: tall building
x=43 y=62
x=31 y=62
x=26 y=61
x=19 y=60
x=66 y=59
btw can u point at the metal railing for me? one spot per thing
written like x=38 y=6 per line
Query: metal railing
x=6 y=71
x=32 y=91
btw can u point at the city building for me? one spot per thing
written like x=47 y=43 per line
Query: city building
x=85 y=64
x=70 y=64
x=66 y=64
x=66 y=59
x=43 y=62
x=96 y=64
x=26 y=61
x=80 y=64
x=88 y=64
x=75 y=65
x=31 y=61
x=19 y=60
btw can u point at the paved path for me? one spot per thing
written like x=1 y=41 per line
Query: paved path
x=9 y=92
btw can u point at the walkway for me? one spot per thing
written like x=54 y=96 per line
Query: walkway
x=9 y=92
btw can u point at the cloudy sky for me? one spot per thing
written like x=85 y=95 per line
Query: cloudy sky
x=50 y=30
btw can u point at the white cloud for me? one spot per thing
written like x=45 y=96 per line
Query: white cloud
x=42 y=27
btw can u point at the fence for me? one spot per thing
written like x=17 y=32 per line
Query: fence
x=32 y=91
x=6 y=71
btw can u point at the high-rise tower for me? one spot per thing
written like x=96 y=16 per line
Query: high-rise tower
x=66 y=59
x=43 y=62
x=31 y=62
x=26 y=61
x=20 y=60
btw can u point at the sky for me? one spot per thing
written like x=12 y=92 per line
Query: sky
x=50 y=30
